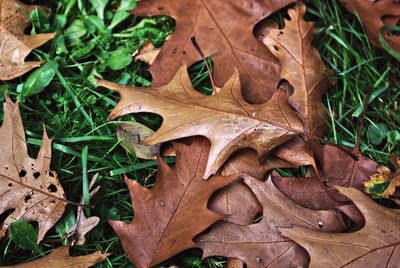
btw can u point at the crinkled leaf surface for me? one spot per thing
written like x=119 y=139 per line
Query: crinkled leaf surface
x=24 y=180
x=230 y=42
x=15 y=45
x=374 y=14
x=61 y=258
x=226 y=119
x=170 y=214
x=375 y=245
x=261 y=244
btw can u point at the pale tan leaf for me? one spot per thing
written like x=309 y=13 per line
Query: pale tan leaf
x=15 y=45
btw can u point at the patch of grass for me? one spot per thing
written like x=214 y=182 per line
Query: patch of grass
x=359 y=69
x=75 y=111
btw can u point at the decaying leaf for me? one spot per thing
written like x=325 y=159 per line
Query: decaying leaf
x=27 y=185
x=14 y=43
x=61 y=258
x=170 y=214
x=261 y=244
x=226 y=119
x=374 y=14
x=132 y=134
x=84 y=225
x=302 y=67
x=231 y=43
x=375 y=245
x=384 y=183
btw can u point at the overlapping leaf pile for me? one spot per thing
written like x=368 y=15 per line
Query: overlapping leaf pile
x=262 y=109
x=266 y=112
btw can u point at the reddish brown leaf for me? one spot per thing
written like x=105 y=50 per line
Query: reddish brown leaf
x=338 y=168
x=226 y=119
x=339 y=165
x=375 y=245
x=15 y=45
x=374 y=14
x=170 y=214
x=27 y=185
x=236 y=200
x=230 y=42
x=261 y=244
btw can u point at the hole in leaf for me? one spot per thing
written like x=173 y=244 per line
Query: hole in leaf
x=36 y=174
x=22 y=173
x=52 y=188
x=27 y=198
x=10 y=184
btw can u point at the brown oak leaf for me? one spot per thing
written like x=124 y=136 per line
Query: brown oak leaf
x=231 y=43
x=338 y=169
x=27 y=185
x=170 y=214
x=302 y=67
x=375 y=245
x=261 y=244
x=304 y=75
x=374 y=14
x=61 y=258
x=236 y=200
x=226 y=119
x=14 y=43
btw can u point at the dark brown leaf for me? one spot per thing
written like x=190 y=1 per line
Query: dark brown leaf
x=230 y=42
x=170 y=214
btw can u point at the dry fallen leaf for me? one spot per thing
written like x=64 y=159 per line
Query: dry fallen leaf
x=61 y=258
x=132 y=134
x=312 y=194
x=385 y=182
x=84 y=225
x=27 y=185
x=231 y=43
x=261 y=244
x=302 y=67
x=170 y=214
x=226 y=119
x=374 y=14
x=338 y=168
x=15 y=45
x=148 y=53
x=375 y=245
x=236 y=200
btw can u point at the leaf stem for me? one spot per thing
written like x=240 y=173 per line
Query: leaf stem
x=196 y=45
